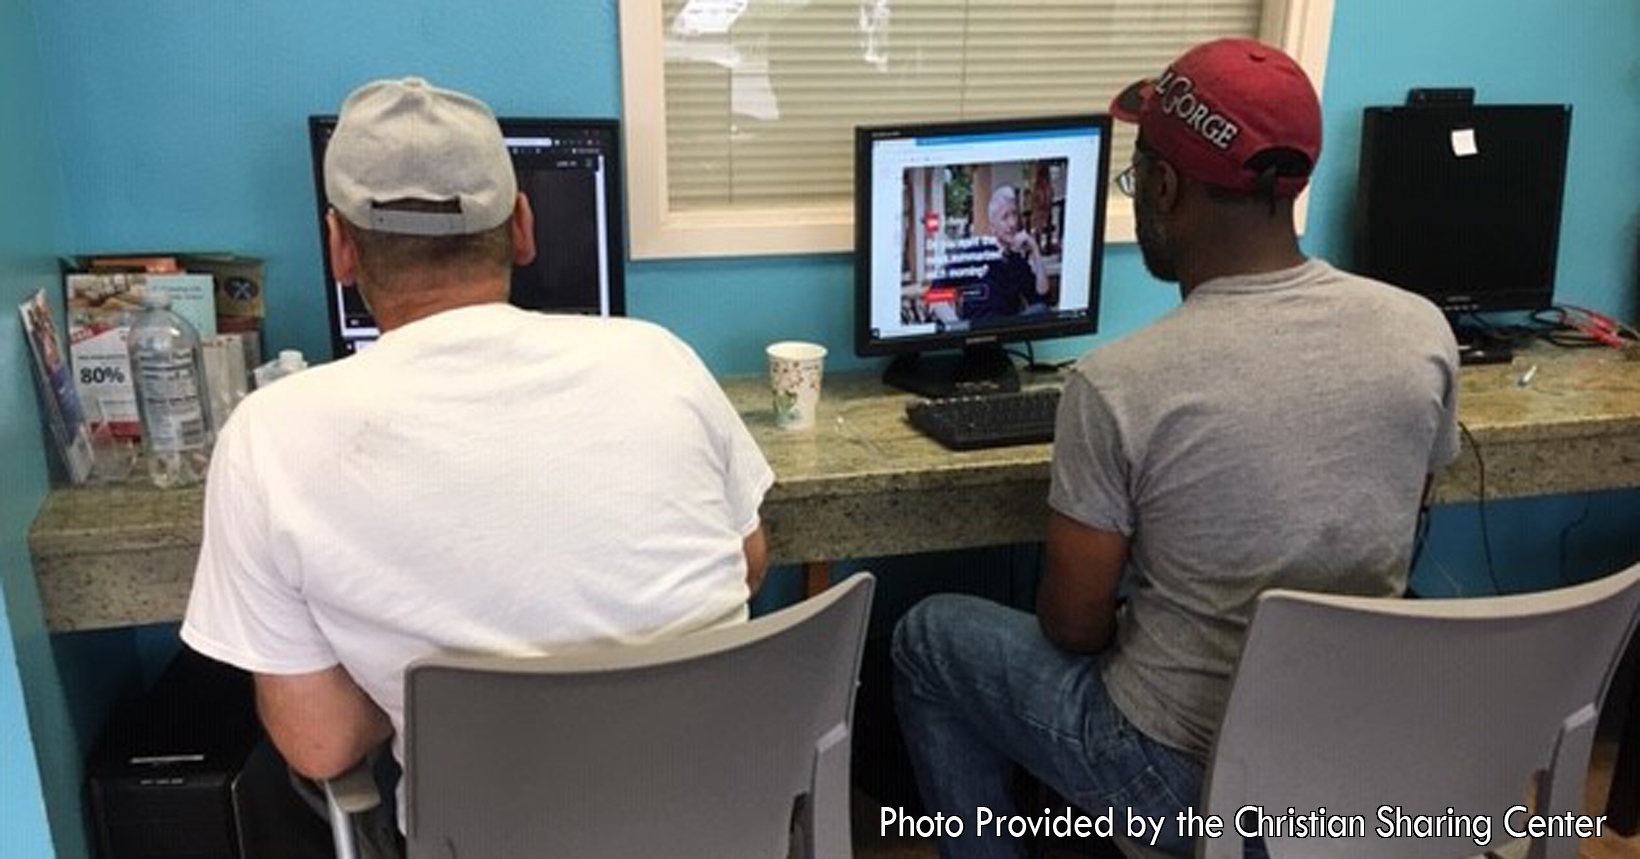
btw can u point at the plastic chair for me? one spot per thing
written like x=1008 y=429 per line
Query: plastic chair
x=727 y=742
x=1354 y=704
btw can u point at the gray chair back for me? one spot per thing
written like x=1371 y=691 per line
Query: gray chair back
x=1355 y=704
x=717 y=744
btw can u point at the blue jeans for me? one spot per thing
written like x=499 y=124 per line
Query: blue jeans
x=979 y=689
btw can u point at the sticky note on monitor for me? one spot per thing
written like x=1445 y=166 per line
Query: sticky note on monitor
x=1463 y=142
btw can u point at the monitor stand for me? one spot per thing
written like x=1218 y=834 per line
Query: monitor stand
x=1478 y=346
x=982 y=368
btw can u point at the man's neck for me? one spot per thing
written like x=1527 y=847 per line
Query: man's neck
x=420 y=301
x=1230 y=263
x=1238 y=240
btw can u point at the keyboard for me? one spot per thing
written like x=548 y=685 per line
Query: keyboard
x=989 y=420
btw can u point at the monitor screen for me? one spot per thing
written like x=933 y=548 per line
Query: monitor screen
x=570 y=171
x=972 y=234
x=1461 y=203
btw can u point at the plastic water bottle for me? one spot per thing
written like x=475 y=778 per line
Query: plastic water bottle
x=169 y=371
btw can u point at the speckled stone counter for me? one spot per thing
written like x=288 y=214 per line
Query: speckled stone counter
x=863 y=483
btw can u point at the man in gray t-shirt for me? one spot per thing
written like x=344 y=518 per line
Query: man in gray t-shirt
x=1286 y=446
x=1278 y=429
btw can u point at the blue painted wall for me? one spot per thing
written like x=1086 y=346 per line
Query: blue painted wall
x=1586 y=54
x=171 y=124
x=32 y=709
x=185 y=127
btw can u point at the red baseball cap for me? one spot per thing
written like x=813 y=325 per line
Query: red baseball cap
x=1220 y=106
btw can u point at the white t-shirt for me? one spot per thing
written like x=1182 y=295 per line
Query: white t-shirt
x=488 y=479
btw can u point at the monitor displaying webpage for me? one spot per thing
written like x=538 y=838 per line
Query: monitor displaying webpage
x=562 y=170
x=982 y=229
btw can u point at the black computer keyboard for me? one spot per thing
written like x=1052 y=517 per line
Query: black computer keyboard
x=990 y=420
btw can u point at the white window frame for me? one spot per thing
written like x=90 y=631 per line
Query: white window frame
x=1302 y=28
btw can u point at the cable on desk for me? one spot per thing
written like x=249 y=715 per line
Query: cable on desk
x=1515 y=337
x=1420 y=534
x=1031 y=364
x=1486 y=539
x=1571 y=327
x=1567 y=532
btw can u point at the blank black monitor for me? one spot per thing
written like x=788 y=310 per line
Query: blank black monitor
x=570 y=171
x=942 y=264
x=1461 y=203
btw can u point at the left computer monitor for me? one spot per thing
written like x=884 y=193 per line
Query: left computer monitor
x=570 y=171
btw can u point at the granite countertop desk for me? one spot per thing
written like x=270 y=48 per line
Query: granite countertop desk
x=863 y=483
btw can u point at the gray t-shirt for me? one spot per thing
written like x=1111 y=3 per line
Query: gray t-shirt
x=1272 y=431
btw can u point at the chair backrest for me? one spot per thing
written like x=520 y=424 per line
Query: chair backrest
x=701 y=746
x=1357 y=704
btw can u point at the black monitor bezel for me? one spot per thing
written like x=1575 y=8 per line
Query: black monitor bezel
x=866 y=345
x=320 y=127
x=1456 y=301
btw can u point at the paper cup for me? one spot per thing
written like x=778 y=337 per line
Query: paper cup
x=794 y=376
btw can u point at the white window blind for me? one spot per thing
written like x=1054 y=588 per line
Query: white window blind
x=761 y=106
x=740 y=114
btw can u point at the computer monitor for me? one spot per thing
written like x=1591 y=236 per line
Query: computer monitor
x=1461 y=203
x=570 y=169
x=972 y=234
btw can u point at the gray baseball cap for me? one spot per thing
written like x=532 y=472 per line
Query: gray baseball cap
x=408 y=140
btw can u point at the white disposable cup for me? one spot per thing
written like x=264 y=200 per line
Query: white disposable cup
x=794 y=377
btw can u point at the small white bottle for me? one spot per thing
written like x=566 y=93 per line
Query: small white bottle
x=289 y=361
x=168 y=369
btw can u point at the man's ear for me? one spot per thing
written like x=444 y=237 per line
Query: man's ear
x=1168 y=187
x=523 y=232
x=344 y=254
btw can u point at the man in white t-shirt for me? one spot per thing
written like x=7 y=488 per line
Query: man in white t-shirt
x=483 y=478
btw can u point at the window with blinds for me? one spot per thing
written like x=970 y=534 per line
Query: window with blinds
x=754 y=102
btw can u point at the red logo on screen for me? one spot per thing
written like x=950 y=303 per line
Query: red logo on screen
x=941 y=295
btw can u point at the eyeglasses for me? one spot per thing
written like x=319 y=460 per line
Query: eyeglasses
x=1127 y=180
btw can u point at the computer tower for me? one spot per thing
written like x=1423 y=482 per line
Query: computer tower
x=186 y=773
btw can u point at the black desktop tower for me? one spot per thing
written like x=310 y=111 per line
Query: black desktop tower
x=186 y=773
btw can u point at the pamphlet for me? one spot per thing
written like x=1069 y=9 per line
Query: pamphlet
x=59 y=400
x=101 y=308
